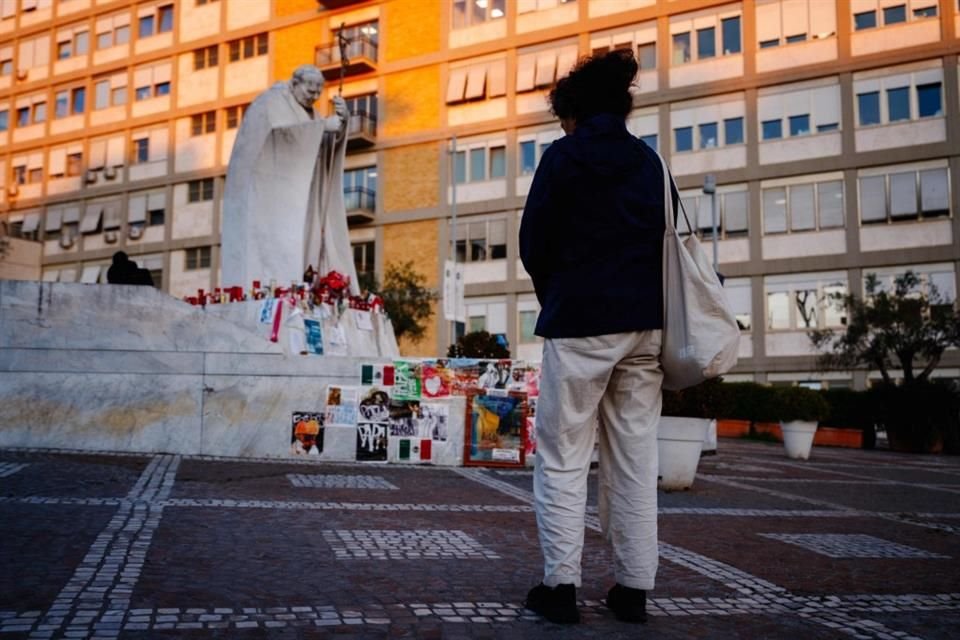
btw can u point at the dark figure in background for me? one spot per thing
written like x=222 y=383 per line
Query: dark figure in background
x=591 y=238
x=125 y=271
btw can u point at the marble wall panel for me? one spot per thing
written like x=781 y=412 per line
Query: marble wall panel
x=145 y=413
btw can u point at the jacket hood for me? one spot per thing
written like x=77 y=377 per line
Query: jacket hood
x=602 y=145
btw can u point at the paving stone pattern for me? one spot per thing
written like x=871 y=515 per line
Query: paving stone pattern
x=339 y=481
x=198 y=547
x=844 y=545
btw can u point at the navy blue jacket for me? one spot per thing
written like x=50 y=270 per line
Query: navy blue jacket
x=591 y=236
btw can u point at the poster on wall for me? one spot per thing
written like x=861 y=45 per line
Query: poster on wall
x=495 y=433
x=436 y=378
x=373 y=421
x=342 y=407
x=404 y=417
x=465 y=375
x=314 y=336
x=434 y=418
x=493 y=374
x=306 y=437
x=406 y=380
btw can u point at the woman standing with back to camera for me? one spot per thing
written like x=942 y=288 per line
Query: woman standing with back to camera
x=591 y=238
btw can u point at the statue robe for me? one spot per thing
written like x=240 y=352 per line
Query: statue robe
x=283 y=203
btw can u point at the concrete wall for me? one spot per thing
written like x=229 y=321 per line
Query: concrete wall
x=123 y=368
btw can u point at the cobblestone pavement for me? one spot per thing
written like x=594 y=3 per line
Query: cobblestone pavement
x=850 y=544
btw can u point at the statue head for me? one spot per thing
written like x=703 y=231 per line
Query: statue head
x=306 y=85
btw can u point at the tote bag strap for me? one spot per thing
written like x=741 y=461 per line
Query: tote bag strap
x=668 y=197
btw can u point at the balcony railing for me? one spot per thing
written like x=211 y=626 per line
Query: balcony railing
x=361 y=57
x=360 y=203
x=361 y=130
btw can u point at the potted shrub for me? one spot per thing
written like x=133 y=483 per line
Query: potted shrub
x=800 y=410
x=933 y=429
x=685 y=423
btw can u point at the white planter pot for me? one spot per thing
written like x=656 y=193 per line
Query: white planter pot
x=679 y=442
x=798 y=438
x=710 y=439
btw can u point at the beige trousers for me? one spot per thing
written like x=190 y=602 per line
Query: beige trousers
x=617 y=378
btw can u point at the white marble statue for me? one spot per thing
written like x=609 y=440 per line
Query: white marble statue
x=283 y=203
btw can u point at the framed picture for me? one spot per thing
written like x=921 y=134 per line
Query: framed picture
x=495 y=434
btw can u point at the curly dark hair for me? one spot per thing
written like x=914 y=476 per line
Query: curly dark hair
x=597 y=84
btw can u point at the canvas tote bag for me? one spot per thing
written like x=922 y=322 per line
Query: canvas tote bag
x=700 y=332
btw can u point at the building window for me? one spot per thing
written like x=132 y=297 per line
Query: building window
x=248 y=47
x=72 y=43
x=157 y=22
x=141 y=150
x=6 y=66
x=203 y=123
x=113 y=31
x=364 y=258
x=731 y=213
x=196 y=258
x=899 y=106
x=647 y=56
x=650 y=140
x=4 y=120
x=683 y=139
x=363 y=114
x=704 y=43
x=908 y=11
x=528 y=326
x=468 y=13
x=360 y=189
x=479 y=164
x=206 y=57
x=39 y=112
x=110 y=92
x=803 y=207
x=800 y=125
x=200 y=190
x=805 y=301
x=235 y=115
x=732 y=131
x=70 y=102
x=482 y=241
x=911 y=194
x=771 y=129
x=200 y=3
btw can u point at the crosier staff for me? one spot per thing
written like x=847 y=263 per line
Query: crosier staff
x=342 y=41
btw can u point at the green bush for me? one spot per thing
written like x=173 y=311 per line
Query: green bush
x=709 y=399
x=799 y=403
x=919 y=417
x=749 y=401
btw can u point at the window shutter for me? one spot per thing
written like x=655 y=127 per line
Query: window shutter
x=455 y=84
x=137 y=211
x=476 y=81
x=546 y=68
x=91 y=273
x=768 y=20
x=91 y=218
x=903 y=194
x=54 y=220
x=111 y=216
x=156 y=200
x=115 y=155
x=873 y=198
x=58 y=161
x=497 y=79
x=158 y=144
x=526 y=64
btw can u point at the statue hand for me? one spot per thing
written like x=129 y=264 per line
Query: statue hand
x=340 y=107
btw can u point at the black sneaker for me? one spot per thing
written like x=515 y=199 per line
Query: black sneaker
x=558 y=604
x=629 y=605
